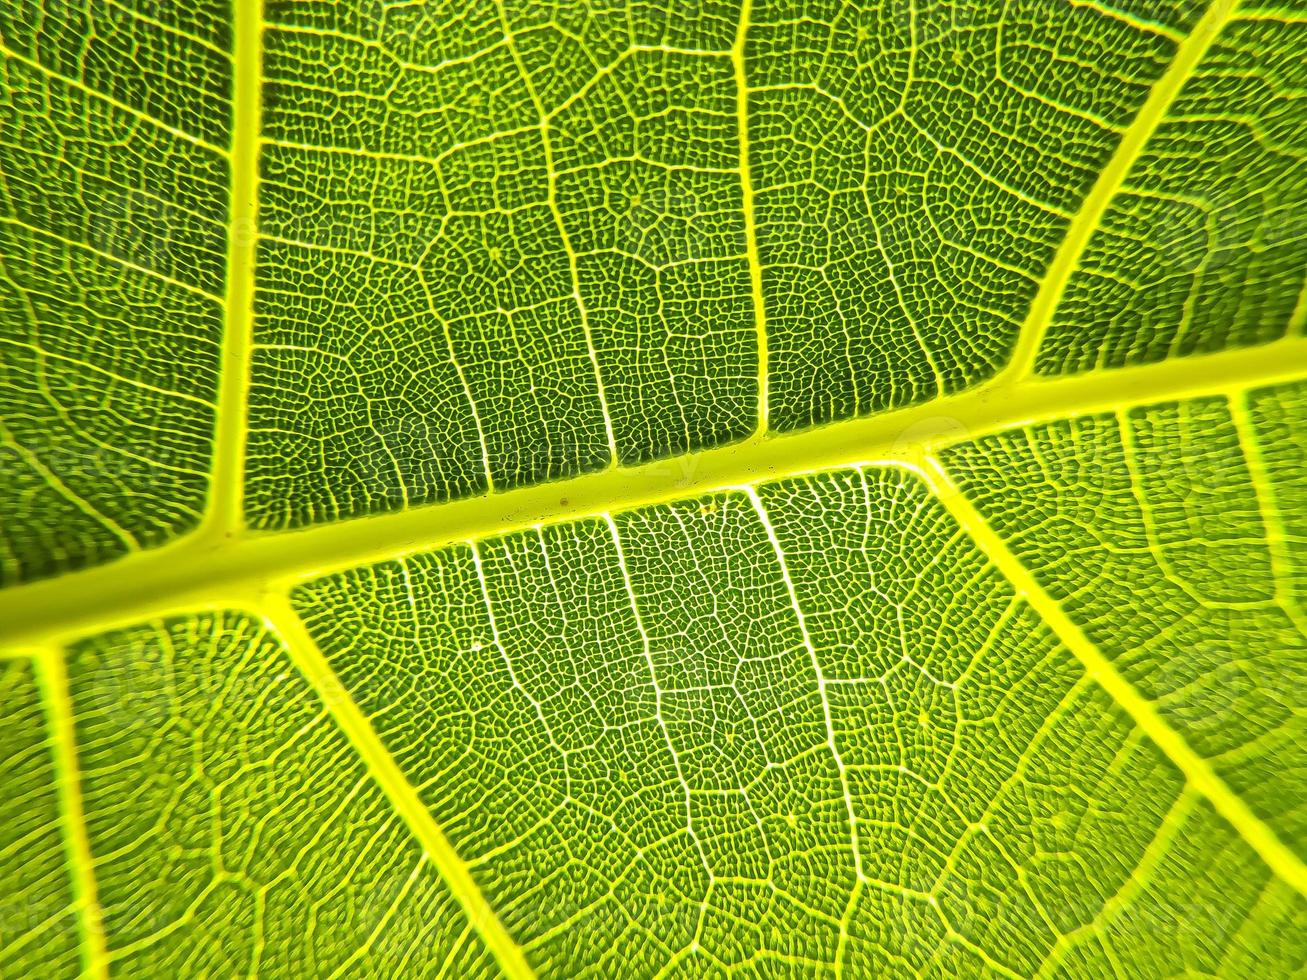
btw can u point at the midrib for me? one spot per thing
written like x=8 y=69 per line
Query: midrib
x=223 y=566
x=210 y=572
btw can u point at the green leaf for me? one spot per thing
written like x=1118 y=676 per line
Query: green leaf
x=763 y=487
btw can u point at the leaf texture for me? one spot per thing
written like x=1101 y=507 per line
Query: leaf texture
x=743 y=488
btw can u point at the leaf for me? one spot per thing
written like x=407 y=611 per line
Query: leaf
x=763 y=487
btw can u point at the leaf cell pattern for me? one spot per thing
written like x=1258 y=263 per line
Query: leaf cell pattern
x=234 y=829
x=1152 y=532
x=918 y=164
x=762 y=676
x=802 y=728
x=40 y=932
x=1203 y=247
x=111 y=279
x=516 y=242
x=523 y=234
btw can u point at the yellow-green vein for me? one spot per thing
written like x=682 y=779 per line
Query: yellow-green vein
x=52 y=676
x=1196 y=770
x=227 y=487
x=282 y=619
x=746 y=206
x=1086 y=221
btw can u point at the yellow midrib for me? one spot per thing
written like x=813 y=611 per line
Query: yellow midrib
x=222 y=561
x=202 y=572
x=1196 y=770
x=1086 y=221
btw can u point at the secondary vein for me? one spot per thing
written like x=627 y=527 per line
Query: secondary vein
x=746 y=205
x=227 y=488
x=1087 y=220
x=287 y=625
x=53 y=677
x=1196 y=770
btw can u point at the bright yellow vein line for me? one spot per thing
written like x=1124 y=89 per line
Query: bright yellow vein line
x=53 y=677
x=194 y=572
x=286 y=623
x=1087 y=219
x=227 y=489
x=746 y=198
x=1196 y=769
x=1278 y=537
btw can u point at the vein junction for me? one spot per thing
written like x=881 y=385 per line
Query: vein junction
x=841 y=692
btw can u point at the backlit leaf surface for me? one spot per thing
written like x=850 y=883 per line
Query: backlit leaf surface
x=767 y=488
